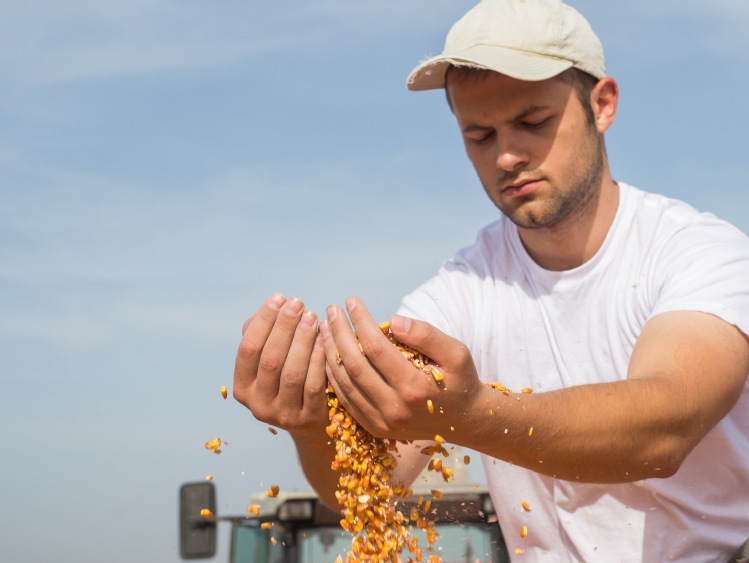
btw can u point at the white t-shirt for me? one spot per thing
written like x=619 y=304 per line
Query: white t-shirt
x=530 y=327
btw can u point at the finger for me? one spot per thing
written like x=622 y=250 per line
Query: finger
x=297 y=364
x=345 y=388
x=316 y=385
x=386 y=358
x=446 y=351
x=276 y=349
x=254 y=336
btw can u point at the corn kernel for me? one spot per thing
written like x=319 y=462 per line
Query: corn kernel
x=266 y=525
x=526 y=506
x=223 y=391
x=206 y=512
x=523 y=531
x=214 y=445
x=430 y=406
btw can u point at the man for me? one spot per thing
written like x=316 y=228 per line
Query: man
x=627 y=313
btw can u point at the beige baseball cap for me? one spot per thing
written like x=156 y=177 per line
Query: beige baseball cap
x=524 y=39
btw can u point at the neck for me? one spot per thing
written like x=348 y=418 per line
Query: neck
x=575 y=240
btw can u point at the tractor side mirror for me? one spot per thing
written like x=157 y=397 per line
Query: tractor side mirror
x=197 y=532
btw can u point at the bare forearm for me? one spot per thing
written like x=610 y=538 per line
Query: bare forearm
x=611 y=432
x=316 y=453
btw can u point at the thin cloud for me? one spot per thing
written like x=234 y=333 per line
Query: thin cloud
x=73 y=41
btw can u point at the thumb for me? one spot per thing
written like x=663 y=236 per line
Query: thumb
x=444 y=350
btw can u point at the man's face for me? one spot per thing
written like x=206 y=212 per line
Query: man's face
x=538 y=157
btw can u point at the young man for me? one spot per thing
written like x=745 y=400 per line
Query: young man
x=627 y=313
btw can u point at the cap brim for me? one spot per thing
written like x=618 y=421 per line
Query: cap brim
x=430 y=74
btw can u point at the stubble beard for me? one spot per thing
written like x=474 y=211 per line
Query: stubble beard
x=561 y=205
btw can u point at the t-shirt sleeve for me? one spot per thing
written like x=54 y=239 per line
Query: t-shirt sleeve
x=440 y=301
x=705 y=267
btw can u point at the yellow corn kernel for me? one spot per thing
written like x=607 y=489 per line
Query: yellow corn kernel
x=437 y=374
x=530 y=431
x=209 y=477
x=526 y=390
x=439 y=439
x=266 y=525
x=523 y=531
x=273 y=540
x=273 y=492
x=206 y=512
x=223 y=391
x=466 y=459
x=436 y=494
x=214 y=445
x=430 y=406
x=526 y=506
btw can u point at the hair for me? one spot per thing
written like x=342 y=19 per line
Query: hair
x=582 y=83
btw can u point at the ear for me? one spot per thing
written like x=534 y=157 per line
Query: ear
x=604 y=99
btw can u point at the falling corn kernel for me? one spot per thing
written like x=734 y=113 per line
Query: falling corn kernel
x=209 y=477
x=368 y=499
x=466 y=459
x=214 y=445
x=273 y=540
x=436 y=494
x=523 y=531
x=206 y=512
x=266 y=525
x=530 y=431
x=526 y=390
x=439 y=439
x=519 y=551
x=526 y=506
x=223 y=391
x=272 y=430
x=273 y=492
x=254 y=509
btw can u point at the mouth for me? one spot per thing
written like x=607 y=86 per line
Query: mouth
x=520 y=187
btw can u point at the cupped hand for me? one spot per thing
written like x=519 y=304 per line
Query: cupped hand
x=279 y=372
x=383 y=390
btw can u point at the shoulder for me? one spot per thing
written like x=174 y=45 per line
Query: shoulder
x=669 y=223
x=493 y=246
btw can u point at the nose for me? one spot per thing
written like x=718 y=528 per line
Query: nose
x=511 y=156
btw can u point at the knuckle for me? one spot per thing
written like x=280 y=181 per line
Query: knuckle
x=292 y=378
x=269 y=363
x=314 y=389
x=355 y=369
x=249 y=348
x=373 y=348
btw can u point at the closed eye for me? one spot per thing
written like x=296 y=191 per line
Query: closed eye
x=482 y=139
x=535 y=124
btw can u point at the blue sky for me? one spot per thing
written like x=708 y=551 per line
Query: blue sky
x=166 y=164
